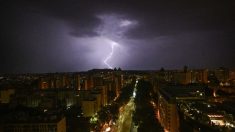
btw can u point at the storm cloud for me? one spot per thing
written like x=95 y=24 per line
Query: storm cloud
x=75 y=35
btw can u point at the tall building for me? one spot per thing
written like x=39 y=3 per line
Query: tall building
x=232 y=74
x=222 y=74
x=182 y=77
x=89 y=107
x=167 y=103
x=5 y=95
x=98 y=81
x=98 y=97
x=199 y=76
x=48 y=125
x=23 y=119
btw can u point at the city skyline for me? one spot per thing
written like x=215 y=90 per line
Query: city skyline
x=68 y=36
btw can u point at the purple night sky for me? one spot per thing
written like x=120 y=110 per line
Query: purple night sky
x=75 y=35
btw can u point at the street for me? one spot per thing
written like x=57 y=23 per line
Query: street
x=124 y=122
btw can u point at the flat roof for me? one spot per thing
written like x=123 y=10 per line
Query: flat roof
x=174 y=92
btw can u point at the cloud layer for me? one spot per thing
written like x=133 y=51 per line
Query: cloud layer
x=51 y=36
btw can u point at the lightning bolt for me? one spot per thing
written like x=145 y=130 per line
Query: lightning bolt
x=113 y=44
x=112 y=28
